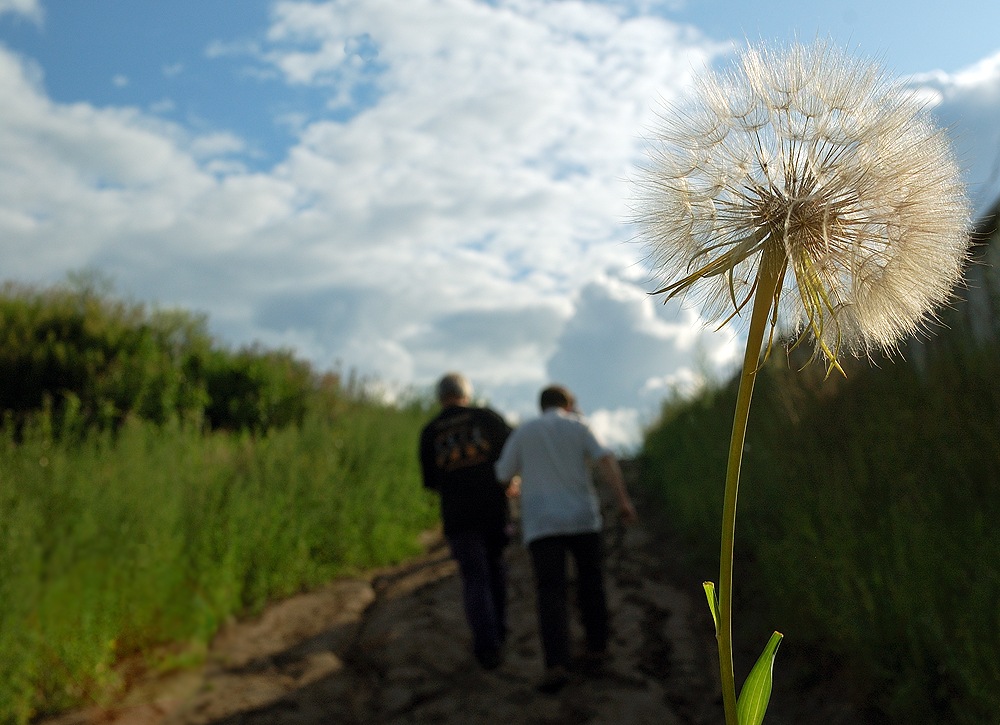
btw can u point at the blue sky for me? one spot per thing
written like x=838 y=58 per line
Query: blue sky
x=909 y=37
x=189 y=61
x=404 y=188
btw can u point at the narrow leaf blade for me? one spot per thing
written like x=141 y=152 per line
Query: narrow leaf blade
x=713 y=603
x=756 y=690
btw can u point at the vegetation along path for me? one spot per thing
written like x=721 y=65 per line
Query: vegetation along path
x=393 y=648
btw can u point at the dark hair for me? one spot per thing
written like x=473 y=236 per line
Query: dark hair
x=556 y=396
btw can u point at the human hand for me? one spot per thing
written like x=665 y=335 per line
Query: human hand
x=627 y=511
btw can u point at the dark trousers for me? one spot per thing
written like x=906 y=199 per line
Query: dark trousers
x=484 y=586
x=548 y=557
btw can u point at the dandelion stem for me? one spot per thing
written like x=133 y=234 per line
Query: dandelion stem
x=768 y=278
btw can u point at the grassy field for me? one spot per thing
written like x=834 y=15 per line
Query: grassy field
x=116 y=542
x=865 y=532
x=866 y=527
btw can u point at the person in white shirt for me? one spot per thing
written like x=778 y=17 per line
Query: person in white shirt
x=560 y=516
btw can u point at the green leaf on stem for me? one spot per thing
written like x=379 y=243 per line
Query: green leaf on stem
x=756 y=690
x=713 y=603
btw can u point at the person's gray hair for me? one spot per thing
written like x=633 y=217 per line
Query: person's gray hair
x=454 y=386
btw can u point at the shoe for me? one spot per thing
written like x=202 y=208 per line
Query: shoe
x=490 y=659
x=554 y=680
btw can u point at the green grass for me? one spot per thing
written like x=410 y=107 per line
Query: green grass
x=866 y=526
x=115 y=543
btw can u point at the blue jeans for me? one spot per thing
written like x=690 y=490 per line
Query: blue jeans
x=484 y=586
x=548 y=557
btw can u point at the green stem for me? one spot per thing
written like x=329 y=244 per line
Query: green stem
x=768 y=277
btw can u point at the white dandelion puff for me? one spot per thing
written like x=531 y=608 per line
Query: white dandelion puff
x=811 y=188
x=832 y=165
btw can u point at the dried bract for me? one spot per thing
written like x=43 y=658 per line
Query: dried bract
x=823 y=157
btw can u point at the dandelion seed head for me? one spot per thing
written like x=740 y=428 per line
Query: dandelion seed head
x=822 y=156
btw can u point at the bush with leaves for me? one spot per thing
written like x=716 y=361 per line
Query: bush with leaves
x=75 y=348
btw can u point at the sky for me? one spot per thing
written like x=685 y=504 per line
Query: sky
x=397 y=189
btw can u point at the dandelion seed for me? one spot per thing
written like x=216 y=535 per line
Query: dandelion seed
x=835 y=167
x=814 y=191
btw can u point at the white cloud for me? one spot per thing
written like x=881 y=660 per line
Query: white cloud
x=624 y=351
x=618 y=429
x=967 y=104
x=31 y=9
x=212 y=145
x=83 y=177
x=467 y=213
x=163 y=106
x=488 y=175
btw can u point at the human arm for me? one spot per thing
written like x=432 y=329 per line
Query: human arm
x=611 y=472
x=428 y=469
x=508 y=466
x=511 y=483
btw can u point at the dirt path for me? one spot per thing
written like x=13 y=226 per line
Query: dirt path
x=394 y=648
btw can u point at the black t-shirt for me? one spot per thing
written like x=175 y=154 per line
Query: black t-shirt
x=457 y=451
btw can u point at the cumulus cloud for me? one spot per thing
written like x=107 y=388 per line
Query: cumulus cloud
x=624 y=352
x=632 y=344
x=79 y=178
x=456 y=203
x=966 y=103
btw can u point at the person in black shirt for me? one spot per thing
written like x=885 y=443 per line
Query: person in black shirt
x=457 y=451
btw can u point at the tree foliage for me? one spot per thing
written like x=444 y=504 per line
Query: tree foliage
x=75 y=347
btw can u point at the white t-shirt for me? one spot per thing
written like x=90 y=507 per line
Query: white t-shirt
x=552 y=454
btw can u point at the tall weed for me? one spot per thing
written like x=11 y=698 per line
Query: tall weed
x=866 y=521
x=115 y=542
